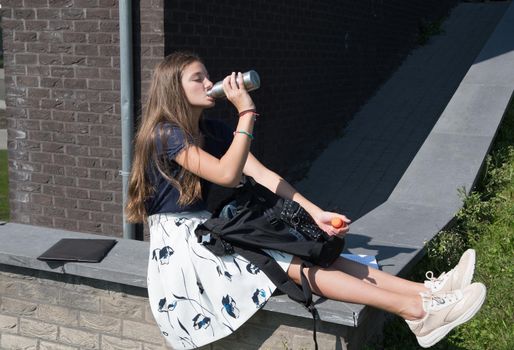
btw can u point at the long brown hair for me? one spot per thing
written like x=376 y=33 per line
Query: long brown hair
x=166 y=102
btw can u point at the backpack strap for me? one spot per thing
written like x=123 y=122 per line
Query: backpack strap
x=281 y=280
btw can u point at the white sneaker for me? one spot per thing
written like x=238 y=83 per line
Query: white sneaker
x=457 y=278
x=445 y=311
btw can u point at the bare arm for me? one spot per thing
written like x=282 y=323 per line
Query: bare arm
x=282 y=188
x=227 y=170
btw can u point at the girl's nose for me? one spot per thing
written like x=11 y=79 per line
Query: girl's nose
x=208 y=84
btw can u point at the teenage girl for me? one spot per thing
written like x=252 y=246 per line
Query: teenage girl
x=197 y=297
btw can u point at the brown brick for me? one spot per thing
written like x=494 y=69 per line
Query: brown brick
x=101 y=38
x=89 y=205
x=98 y=61
x=63 y=159
x=27 y=81
x=86 y=26
x=90 y=226
x=66 y=203
x=87 y=72
x=50 y=59
x=60 y=25
x=67 y=72
x=79 y=338
x=40 y=136
x=75 y=83
x=97 y=84
x=74 y=37
x=53 y=36
x=60 y=3
x=65 y=181
x=102 y=107
x=38 y=93
x=73 y=13
x=109 y=26
x=36 y=25
x=40 y=71
x=77 y=172
x=41 y=199
x=109 y=50
x=52 y=103
x=89 y=183
x=86 y=3
x=52 y=147
x=100 y=13
x=79 y=106
x=51 y=82
x=77 y=214
x=86 y=49
x=48 y=13
x=61 y=48
x=35 y=3
x=53 y=190
x=25 y=36
x=66 y=224
x=27 y=58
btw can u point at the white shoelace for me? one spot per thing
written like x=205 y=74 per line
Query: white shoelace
x=435 y=283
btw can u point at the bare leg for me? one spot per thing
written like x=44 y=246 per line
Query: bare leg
x=378 y=278
x=338 y=285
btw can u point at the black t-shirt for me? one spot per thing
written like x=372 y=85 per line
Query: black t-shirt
x=217 y=139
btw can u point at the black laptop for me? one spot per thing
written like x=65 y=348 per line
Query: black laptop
x=78 y=250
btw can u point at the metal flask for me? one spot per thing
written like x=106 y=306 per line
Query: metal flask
x=251 y=81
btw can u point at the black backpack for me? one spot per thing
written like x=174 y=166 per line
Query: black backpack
x=259 y=219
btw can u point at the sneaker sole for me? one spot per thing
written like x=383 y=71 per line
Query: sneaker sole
x=438 y=334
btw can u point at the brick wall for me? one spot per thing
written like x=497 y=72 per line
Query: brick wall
x=62 y=96
x=319 y=61
x=46 y=311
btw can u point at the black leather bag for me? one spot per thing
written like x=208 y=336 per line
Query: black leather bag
x=262 y=220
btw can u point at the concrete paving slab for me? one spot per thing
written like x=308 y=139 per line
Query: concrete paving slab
x=398 y=223
x=475 y=110
x=447 y=163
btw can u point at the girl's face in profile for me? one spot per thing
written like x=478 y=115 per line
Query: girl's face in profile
x=195 y=81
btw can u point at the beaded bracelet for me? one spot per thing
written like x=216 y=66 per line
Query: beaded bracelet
x=244 y=133
x=255 y=114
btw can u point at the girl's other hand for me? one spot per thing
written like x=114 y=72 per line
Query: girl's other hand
x=324 y=221
x=236 y=92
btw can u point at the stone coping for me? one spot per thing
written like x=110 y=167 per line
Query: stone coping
x=423 y=202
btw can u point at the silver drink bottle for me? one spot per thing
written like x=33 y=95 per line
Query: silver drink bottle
x=251 y=81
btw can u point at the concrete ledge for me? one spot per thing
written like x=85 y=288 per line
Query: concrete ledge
x=126 y=264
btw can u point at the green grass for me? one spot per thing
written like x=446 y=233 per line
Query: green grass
x=486 y=223
x=4 y=187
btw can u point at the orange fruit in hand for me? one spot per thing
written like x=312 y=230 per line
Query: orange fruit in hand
x=337 y=222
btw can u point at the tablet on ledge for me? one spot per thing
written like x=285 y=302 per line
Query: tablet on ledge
x=78 y=249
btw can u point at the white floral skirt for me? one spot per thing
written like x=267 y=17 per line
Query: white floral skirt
x=197 y=297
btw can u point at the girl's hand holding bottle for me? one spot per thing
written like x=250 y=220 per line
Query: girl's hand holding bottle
x=236 y=92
